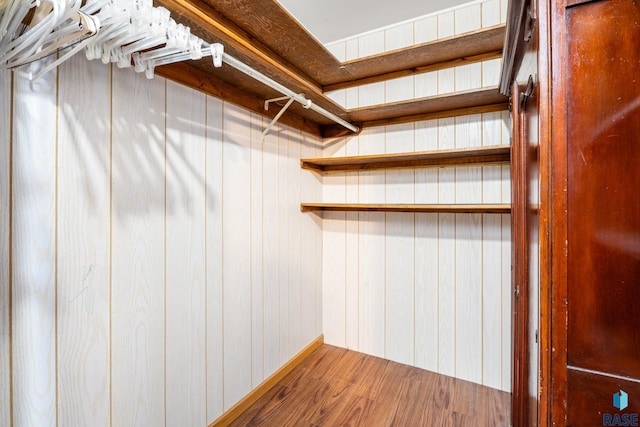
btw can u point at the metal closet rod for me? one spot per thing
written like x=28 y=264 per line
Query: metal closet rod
x=217 y=50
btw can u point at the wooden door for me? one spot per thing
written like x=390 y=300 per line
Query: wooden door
x=603 y=212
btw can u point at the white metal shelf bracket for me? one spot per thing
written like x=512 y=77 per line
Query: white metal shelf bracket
x=277 y=116
x=269 y=101
x=217 y=51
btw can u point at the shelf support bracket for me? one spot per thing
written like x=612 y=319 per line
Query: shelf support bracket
x=280 y=113
x=269 y=101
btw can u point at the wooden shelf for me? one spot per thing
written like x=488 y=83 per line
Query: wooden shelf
x=442 y=53
x=432 y=107
x=434 y=208
x=306 y=66
x=475 y=101
x=484 y=155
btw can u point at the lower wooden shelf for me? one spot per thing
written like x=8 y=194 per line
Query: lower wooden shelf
x=433 y=208
x=441 y=158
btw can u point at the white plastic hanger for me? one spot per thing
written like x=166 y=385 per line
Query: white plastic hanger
x=124 y=32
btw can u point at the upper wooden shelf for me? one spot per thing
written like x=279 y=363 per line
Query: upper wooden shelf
x=416 y=208
x=474 y=46
x=263 y=35
x=492 y=154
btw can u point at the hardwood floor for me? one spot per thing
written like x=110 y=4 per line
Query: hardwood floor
x=338 y=387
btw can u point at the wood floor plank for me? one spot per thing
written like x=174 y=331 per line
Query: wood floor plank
x=330 y=401
x=355 y=411
x=408 y=412
x=278 y=408
x=296 y=386
x=339 y=387
x=327 y=361
x=367 y=372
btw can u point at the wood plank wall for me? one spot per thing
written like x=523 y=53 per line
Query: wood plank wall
x=429 y=290
x=155 y=264
x=5 y=230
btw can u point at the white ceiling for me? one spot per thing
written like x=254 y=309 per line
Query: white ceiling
x=331 y=20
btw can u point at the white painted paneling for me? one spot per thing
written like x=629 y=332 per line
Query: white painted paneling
x=371 y=44
x=468 y=134
x=257 y=303
x=431 y=286
x=399 y=36
x=446 y=80
x=184 y=312
x=310 y=246
x=236 y=260
x=318 y=258
x=371 y=245
x=468 y=297
x=492 y=301
x=352 y=49
x=5 y=284
x=506 y=170
x=491 y=72
x=426 y=179
x=138 y=244
x=333 y=277
x=283 y=243
x=426 y=255
x=399 y=258
x=352 y=303
x=400 y=139
x=446 y=256
x=270 y=248
x=292 y=171
x=352 y=98
x=492 y=260
x=426 y=84
x=372 y=94
x=468 y=257
x=339 y=50
x=371 y=183
x=458 y=20
x=492 y=175
x=446 y=176
x=503 y=10
x=468 y=77
x=83 y=219
x=467 y=18
x=534 y=313
x=490 y=13
x=185 y=257
x=338 y=96
x=33 y=293
x=464 y=19
x=446 y=24
x=426 y=29
x=446 y=294
x=426 y=292
x=214 y=254
x=506 y=302
x=399 y=89
x=334 y=227
x=371 y=263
